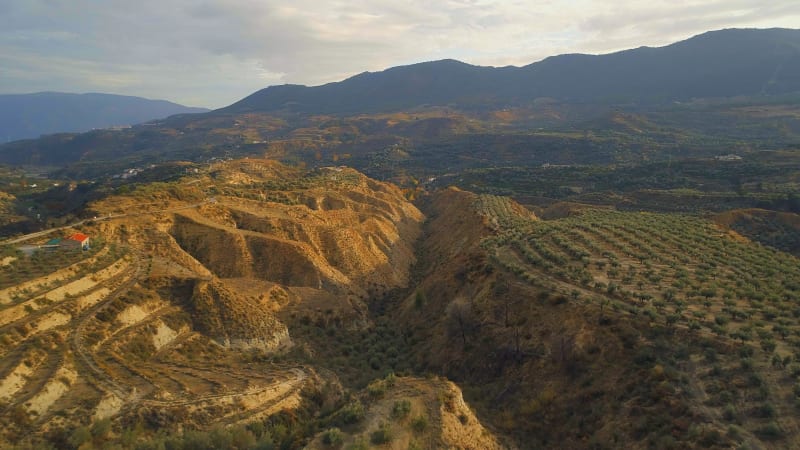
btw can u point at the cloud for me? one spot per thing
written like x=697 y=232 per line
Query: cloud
x=213 y=52
x=629 y=24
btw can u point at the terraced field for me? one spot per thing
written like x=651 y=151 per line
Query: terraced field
x=736 y=301
x=83 y=345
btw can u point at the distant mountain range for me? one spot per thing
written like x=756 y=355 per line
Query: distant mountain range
x=451 y=103
x=726 y=63
x=24 y=116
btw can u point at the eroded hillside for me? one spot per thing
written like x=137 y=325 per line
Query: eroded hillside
x=170 y=320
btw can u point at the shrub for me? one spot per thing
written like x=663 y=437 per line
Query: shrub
x=351 y=413
x=746 y=351
x=770 y=431
x=765 y=411
x=735 y=433
x=101 y=428
x=196 y=440
x=241 y=437
x=80 y=436
x=729 y=413
x=358 y=445
x=711 y=437
x=383 y=435
x=376 y=389
x=401 y=409
x=419 y=424
x=419 y=299
x=332 y=437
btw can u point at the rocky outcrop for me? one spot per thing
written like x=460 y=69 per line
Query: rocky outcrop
x=235 y=321
x=340 y=237
x=417 y=413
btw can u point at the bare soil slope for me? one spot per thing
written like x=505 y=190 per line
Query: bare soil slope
x=176 y=325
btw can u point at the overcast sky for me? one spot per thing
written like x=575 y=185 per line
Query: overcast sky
x=213 y=52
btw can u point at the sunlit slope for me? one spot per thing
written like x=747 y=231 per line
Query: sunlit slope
x=173 y=318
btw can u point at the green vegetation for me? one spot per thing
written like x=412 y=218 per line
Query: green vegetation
x=666 y=278
x=284 y=430
x=358 y=356
x=401 y=409
x=419 y=424
x=383 y=435
x=779 y=230
x=763 y=180
x=332 y=437
x=671 y=268
x=349 y=414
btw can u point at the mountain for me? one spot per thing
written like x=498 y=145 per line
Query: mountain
x=701 y=97
x=726 y=63
x=431 y=83
x=24 y=116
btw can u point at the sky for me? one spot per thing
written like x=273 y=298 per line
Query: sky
x=212 y=53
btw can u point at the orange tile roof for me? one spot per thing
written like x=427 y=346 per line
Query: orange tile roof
x=80 y=237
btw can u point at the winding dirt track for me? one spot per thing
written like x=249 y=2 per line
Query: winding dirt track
x=107 y=381
x=84 y=358
x=274 y=387
x=42 y=233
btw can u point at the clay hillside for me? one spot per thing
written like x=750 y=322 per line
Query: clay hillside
x=190 y=309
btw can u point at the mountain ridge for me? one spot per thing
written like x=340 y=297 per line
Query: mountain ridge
x=24 y=116
x=724 y=63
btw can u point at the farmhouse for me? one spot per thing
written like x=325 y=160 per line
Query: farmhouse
x=76 y=240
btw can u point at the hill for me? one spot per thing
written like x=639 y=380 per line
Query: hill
x=25 y=116
x=725 y=63
x=606 y=329
x=189 y=309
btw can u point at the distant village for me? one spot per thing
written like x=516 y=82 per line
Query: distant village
x=728 y=157
x=128 y=173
